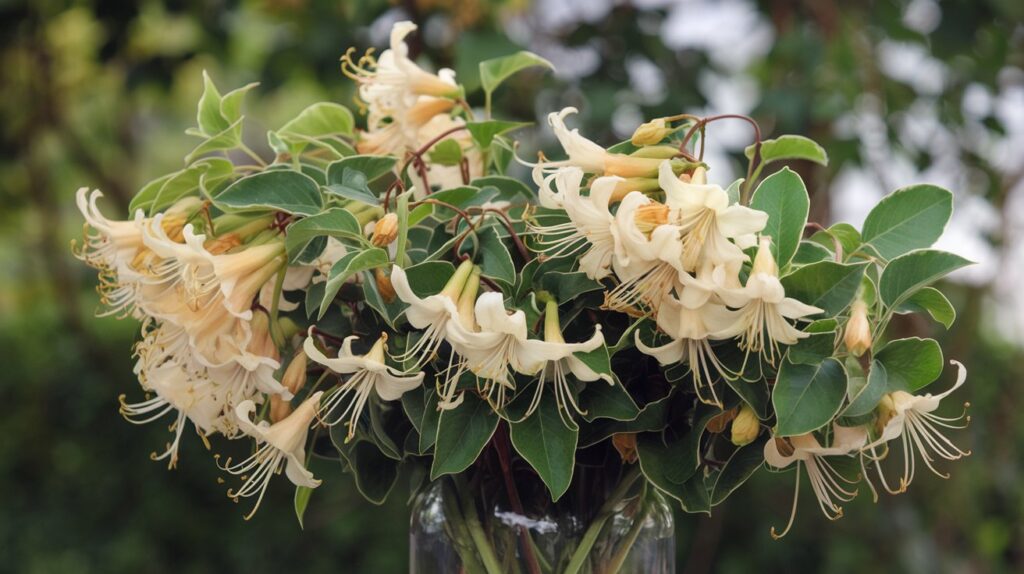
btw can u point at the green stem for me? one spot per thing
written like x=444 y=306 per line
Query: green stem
x=476 y=531
x=460 y=533
x=275 y=328
x=748 y=186
x=617 y=561
x=594 y=530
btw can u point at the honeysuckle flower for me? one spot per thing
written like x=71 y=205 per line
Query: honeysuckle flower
x=912 y=419
x=368 y=374
x=393 y=81
x=806 y=451
x=280 y=444
x=691 y=331
x=707 y=222
x=555 y=361
x=592 y=158
x=432 y=315
x=402 y=130
x=590 y=228
x=761 y=322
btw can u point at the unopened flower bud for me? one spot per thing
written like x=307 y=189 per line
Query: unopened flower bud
x=279 y=408
x=385 y=231
x=651 y=133
x=745 y=427
x=384 y=286
x=625 y=444
x=858 y=330
x=718 y=422
x=294 y=377
x=223 y=244
x=262 y=343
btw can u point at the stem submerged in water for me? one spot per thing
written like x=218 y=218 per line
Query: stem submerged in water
x=594 y=530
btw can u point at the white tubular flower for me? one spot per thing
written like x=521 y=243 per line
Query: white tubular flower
x=368 y=374
x=590 y=228
x=707 y=221
x=805 y=450
x=592 y=158
x=281 y=443
x=691 y=331
x=646 y=255
x=393 y=82
x=761 y=322
x=912 y=419
x=555 y=361
x=431 y=313
x=182 y=387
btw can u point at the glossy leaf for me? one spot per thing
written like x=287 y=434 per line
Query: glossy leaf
x=907 y=219
x=908 y=273
x=278 y=190
x=827 y=285
x=495 y=71
x=462 y=433
x=807 y=397
x=910 y=364
x=545 y=441
x=790 y=147
x=784 y=198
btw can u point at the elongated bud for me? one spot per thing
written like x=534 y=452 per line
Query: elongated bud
x=745 y=427
x=378 y=351
x=384 y=286
x=223 y=243
x=651 y=133
x=453 y=288
x=764 y=261
x=625 y=444
x=386 y=230
x=642 y=184
x=858 y=330
x=262 y=343
x=552 y=325
x=279 y=408
x=295 y=375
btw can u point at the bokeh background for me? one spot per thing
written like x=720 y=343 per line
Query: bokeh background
x=99 y=94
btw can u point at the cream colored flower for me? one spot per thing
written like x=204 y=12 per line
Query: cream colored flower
x=707 y=222
x=761 y=322
x=806 y=451
x=368 y=374
x=593 y=158
x=280 y=444
x=912 y=419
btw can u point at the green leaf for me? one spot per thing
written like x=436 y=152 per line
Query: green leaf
x=548 y=445
x=807 y=397
x=429 y=278
x=335 y=222
x=375 y=473
x=600 y=400
x=828 y=285
x=598 y=361
x=225 y=140
x=906 y=274
x=909 y=218
x=446 y=152
x=462 y=434
x=743 y=463
x=208 y=116
x=508 y=187
x=784 y=198
x=279 y=190
x=865 y=392
x=930 y=300
x=430 y=420
x=323 y=119
x=670 y=461
x=352 y=263
x=790 y=147
x=353 y=185
x=810 y=252
x=231 y=103
x=567 y=287
x=910 y=364
x=457 y=196
x=495 y=260
x=495 y=71
x=302 y=495
x=372 y=166
x=812 y=349
x=484 y=132
x=163 y=192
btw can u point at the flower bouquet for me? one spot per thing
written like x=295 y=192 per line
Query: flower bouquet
x=553 y=364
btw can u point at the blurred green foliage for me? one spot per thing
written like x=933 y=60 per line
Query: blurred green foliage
x=99 y=93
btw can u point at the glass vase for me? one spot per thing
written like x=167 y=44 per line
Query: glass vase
x=474 y=525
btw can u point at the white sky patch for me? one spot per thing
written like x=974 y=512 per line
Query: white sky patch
x=732 y=32
x=911 y=64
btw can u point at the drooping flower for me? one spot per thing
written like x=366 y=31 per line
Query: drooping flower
x=555 y=360
x=827 y=483
x=707 y=222
x=280 y=444
x=761 y=322
x=368 y=374
x=912 y=419
x=691 y=331
x=590 y=229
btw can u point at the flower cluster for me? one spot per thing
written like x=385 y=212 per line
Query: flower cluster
x=391 y=293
